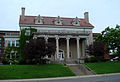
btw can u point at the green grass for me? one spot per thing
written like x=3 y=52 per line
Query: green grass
x=34 y=71
x=105 y=67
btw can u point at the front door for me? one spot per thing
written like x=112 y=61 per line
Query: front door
x=61 y=55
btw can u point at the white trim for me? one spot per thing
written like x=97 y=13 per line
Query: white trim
x=53 y=26
x=60 y=36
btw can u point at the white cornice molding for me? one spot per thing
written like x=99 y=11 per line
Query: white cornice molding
x=53 y=26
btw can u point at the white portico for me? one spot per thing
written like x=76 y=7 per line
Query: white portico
x=68 y=46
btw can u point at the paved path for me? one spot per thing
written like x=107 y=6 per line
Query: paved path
x=81 y=70
x=90 y=78
x=76 y=70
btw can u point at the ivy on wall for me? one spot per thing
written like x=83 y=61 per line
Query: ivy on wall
x=24 y=38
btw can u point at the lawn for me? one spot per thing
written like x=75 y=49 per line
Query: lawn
x=34 y=71
x=105 y=67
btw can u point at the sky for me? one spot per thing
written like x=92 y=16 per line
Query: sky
x=102 y=13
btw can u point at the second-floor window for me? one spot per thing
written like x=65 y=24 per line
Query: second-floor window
x=17 y=43
x=8 y=43
x=13 y=43
x=27 y=32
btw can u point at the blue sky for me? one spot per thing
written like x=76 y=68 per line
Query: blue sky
x=102 y=13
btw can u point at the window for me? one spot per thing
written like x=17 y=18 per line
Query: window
x=86 y=32
x=70 y=54
x=8 y=43
x=0 y=51
x=13 y=43
x=27 y=32
x=38 y=20
x=77 y=32
x=76 y=21
x=58 y=21
x=38 y=30
x=68 y=31
x=0 y=39
x=17 y=43
x=49 y=31
x=59 y=31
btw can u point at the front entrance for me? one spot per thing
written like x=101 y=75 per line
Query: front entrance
x=61 y=55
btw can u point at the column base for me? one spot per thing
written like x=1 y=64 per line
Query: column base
x=81 y=60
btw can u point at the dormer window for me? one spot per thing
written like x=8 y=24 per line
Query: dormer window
x=38 y=20
x=58 y=21
x=76 y=21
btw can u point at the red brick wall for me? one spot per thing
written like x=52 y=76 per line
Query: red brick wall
x=2 y=48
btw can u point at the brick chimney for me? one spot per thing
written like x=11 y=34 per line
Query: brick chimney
x=86 y=17
x=23 y=13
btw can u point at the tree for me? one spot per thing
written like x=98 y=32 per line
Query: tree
x=37 y=49
x=11 y=55
x=111 y=36
x=96 y=49
x=96 y=52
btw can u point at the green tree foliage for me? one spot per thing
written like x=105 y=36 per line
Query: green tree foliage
x=37 y=49
x=11 y=55
x=111 y=36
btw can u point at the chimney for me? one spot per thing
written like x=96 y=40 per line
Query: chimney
x=86 y=17
x=23 y=13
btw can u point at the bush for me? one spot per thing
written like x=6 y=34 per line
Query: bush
x=93 y=59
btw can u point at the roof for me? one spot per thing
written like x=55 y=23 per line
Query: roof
x=4 y=31
x=11 y=33
x=50 y=21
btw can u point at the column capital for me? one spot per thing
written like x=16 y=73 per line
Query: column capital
x=35 y=37
x=67 y=38
x=78 y=38
x=46 y=37
x=57 y=37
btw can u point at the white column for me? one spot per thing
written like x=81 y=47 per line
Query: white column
x=34 y=37
x=11 y=43
x=15 y=42
x=46 y=38
x=83 y=48
x=68 y=47
x=78 y=47
x=57 y=47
